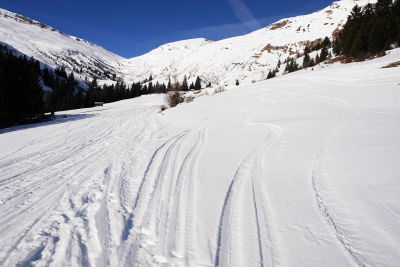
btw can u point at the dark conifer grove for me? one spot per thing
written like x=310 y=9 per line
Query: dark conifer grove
x=28 y=91
x=370 y=30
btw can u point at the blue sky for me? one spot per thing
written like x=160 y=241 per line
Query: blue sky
x=132 y=28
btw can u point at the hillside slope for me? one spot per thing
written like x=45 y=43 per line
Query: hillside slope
x=54 y=48
x=301 y=170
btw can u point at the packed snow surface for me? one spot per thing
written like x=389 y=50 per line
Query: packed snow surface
x=300 y=170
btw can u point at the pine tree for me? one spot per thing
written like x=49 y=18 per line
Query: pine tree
x=324 y=55
x=306 y=60
x=326 y=42
x=185 y=86
x=150 y=88
x=169 y=86
x=317 y=60
x=271 y=74
x=144 y=90
x=197 y=85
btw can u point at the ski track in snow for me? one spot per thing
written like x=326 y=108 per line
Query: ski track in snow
x=323 y=207
x=245 y=176
x=260 y=175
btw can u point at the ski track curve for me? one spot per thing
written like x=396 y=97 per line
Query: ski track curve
x=345 y=109
x=246 y=177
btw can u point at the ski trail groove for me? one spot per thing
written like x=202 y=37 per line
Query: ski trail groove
x=322 y=206
x=246 y=175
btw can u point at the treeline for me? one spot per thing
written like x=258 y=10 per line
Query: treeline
x=184 y=86
x=291 y=62
x=67 y=94
x=369 y=30
x=120 y=91
x=27 y=92
x=21 y=95
x=63 y=92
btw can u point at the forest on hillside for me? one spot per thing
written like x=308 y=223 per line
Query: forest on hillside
x=28 y=91
x=370 y=30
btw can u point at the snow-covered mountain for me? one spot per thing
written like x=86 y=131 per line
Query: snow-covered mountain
x=247 y=58
x=54 y=48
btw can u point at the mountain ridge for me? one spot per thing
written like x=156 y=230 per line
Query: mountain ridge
x=246 y=58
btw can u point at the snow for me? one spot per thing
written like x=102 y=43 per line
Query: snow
x=299 y=170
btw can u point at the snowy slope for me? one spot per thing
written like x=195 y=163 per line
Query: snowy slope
x=54 y=48
x=300 y=170
x=248 y=57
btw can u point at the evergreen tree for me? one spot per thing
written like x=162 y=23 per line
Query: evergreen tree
x=271 y=74
x=144 y=90
x=169 y=86
x=185 y=86
x=136 y=90
x=306 y=60
x=150 y=88
x=60 y=71
x=317 y=60
x=197 y=85
x=291 y=65
x=324 y=55
x=326 y=42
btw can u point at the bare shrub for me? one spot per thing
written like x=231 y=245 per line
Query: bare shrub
x=173 y=99
x=219 y=89
x=189 y=99
x=163 y=107
x=392 y=65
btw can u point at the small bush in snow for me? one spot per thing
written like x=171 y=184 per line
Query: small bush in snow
x=175 y=98
x=189 y=99
x=220 y=89
x=163 y=107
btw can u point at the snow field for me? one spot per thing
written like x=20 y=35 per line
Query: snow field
x=300 y=170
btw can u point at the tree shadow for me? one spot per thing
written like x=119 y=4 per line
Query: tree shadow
x=62 y=118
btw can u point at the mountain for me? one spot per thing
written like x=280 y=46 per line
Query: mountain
x=53 y=48
x=247 y=58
